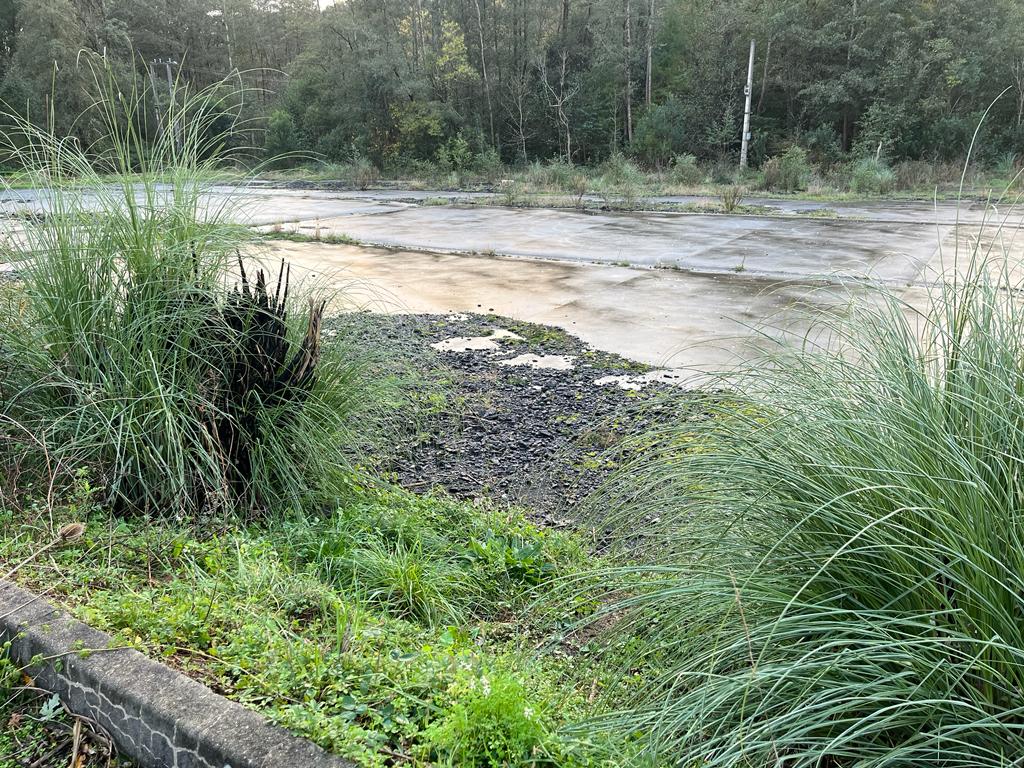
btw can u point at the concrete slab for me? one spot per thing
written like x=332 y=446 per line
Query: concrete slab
x=763 y=246
x=723 y=276
x=662 y=317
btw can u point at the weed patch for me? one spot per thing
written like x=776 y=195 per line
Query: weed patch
x=369 y=660
x=333 y=238
x=36 y=730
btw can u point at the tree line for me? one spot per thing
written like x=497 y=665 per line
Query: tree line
x=401 y=82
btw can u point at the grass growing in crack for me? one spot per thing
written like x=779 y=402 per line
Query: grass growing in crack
x=832 y=561
x=732 y=198
x=300 y=237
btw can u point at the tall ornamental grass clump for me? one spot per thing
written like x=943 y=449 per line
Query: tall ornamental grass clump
x=788 y=172
x=833 y=560
x=124 y=348
x=871 y=176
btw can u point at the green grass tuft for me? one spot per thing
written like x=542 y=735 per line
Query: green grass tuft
x=830 y=564
x=125 y=350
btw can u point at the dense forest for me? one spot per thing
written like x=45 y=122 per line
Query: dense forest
x=407 y=81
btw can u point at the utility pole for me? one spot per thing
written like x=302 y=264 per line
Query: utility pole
x=747 y=92
x=163 y=121
x=175 y=132
x=627 y=61
x=156 y=100
x=170 y=80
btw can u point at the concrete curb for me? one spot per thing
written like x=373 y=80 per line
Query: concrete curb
x=155 y=715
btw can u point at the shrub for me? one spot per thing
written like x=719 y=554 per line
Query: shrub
x=619 y=169
x=488 y=165
x=621 y=181
x=491 y=725
x=838 y=577
x=282 y=142
x=579 y=187
x=788 y=172
x=359 y=170
x=914 y=174
x=660 y=132
x=556 y=175
x=732 y=198
x=723 y=172
x=1006 y=165
x=454 y=155
x=872 y=177
x=363 y=172
x=128 y=354
x=510 y=192
x=685 y=171
x=1008 y=172
x=823 y=145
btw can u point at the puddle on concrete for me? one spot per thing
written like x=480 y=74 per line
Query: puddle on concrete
x=641 y=380
x=552 y=362
x=490 y=344
x=476 y=343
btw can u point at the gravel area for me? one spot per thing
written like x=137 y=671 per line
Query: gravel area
x=483 y=423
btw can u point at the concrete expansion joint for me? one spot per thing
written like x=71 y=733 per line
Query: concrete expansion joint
x=155 y=715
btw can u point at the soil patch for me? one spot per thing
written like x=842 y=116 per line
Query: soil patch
x=487 y=422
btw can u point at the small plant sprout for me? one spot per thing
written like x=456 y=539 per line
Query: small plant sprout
x=732 y=198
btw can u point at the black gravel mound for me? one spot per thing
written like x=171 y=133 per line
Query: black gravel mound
x=541 y=438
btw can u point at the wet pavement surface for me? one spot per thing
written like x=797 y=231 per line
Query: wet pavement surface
x=890 y=241
x=704 y=243
x=686 y=289
x=929 y=212
x=661 y=317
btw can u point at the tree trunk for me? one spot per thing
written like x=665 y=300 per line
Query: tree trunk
x=627 y=69
x=521 y=124
x=1018 y=79
x=764 y=75
x=849 y=66
x=417 y=35
x=483 y=67
x=650 y=52
x=561 y=106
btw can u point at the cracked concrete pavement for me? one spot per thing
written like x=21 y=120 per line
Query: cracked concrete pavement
x=722 y=284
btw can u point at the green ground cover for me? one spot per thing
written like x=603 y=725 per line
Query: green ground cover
x=622 y=182
x=821 y=567
x=395 y=627
x=219 y=449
